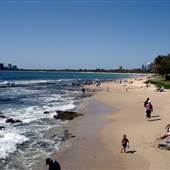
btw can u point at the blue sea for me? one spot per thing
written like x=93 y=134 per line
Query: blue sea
x=25 y=96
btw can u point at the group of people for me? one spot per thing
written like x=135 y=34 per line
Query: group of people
x=53 y=165
x=148 y=110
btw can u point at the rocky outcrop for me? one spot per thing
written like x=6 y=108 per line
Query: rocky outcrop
x=46 y=112
x=3 y=117
x=66 y=115
x=11 y=120
x=2 y=127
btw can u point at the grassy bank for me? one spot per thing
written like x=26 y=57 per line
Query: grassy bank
x=159 y=81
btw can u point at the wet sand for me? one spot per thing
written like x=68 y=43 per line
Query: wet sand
x=88 y=150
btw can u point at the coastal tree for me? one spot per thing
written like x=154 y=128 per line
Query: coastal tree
x=162 y=65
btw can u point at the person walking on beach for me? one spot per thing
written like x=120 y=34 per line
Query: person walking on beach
x=149 y=109
x=145 y=103
x=53 y=165
x=108 y=89
x=125 y=143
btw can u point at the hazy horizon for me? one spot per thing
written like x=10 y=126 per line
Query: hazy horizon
x=83 y=34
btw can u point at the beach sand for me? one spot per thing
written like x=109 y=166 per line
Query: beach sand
x=108 y=116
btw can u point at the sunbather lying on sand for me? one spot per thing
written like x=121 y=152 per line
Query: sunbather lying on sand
x=166 y=134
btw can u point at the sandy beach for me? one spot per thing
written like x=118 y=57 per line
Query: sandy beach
x=108 y=115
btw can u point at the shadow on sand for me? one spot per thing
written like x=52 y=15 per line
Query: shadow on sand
x=156 y=116
x=131 y=151
x=151 y=120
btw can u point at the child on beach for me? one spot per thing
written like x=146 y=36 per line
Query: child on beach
x=125 y=143
x=107 y=89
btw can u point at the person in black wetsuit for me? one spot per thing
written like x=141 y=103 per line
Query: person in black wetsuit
x=53 y=165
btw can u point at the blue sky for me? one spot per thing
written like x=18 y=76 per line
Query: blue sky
x=83 y=34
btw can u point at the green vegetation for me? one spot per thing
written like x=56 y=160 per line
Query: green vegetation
x=162 y=65
x=159 y=81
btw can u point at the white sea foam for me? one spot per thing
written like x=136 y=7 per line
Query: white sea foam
x=30 y=81
x=52 y=98
x=28 y=104
x=4 y=82
x=26 y=82
x=9 y=142
x=33 y=113
x=67 y=107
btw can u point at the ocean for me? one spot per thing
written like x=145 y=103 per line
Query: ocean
x=25 y=96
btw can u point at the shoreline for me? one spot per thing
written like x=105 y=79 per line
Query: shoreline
x=72 y=71
x=126 y=117
x=79 y=129
x=85 y=149
x=43 y=144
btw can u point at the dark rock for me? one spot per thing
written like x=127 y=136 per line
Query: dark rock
x=3 y=117
x=86 y=95
x=18 y=121
x=2 y=127
x=73 y=136
x=46 y=112
x=10 y=120
x=66 y=115
x=75 y=84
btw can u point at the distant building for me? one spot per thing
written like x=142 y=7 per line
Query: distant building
x=151 y=67
x=14 y=67
x=9 y=66
x=143 y=68
x=1 y=66
x=120 y=67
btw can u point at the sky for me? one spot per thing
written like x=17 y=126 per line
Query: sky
x=83 y=34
